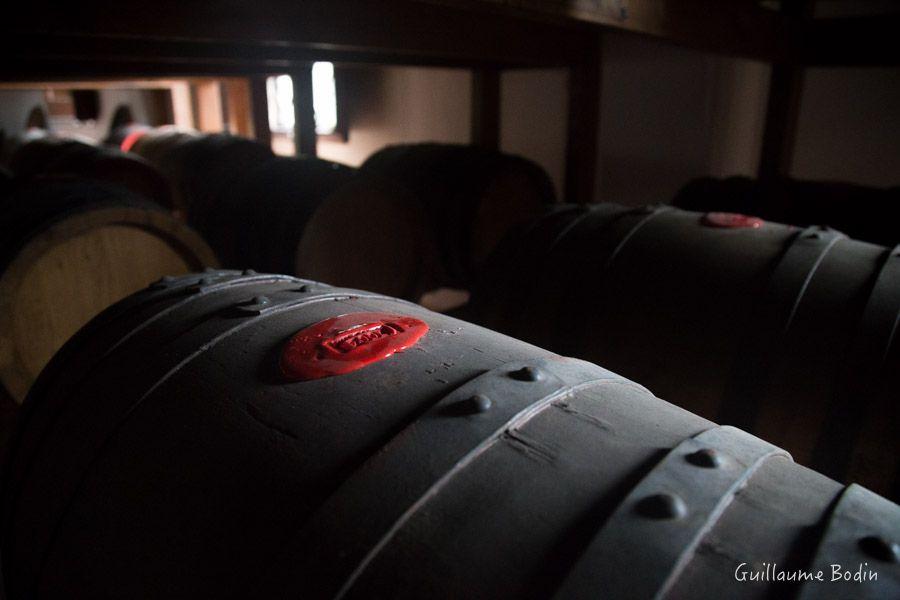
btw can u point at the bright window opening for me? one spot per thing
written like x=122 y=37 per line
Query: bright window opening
x=280 y=91
x=324 y=98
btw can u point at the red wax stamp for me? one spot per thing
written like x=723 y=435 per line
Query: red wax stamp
x=731 y=220
x=346 y=343
x=131 y=139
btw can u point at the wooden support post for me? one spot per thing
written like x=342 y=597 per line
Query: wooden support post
x=208 y=106
x=259 y=105
x=785 y=91
x=238 y=108
x=782 y=113
x=583 y=128
x=304 y=115
x=486 y=108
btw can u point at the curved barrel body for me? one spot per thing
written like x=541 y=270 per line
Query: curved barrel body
x=431 y=212
x=6 y=181
x=55 y=158
x=199 y=166
x=251 y=206
x=68 y=251
x=258 y=221
x=785 y=332
x=861 y=212
x=228 y=435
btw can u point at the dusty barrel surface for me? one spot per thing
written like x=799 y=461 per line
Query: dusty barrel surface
x=253 y=435
x=68 y=251
x=57 y=158
x=785 y=332
x=421 y=217
x=865 y=213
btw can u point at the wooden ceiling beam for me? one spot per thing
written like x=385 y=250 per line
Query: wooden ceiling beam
x=746 y=28
x=852 y=41
x=237 y=33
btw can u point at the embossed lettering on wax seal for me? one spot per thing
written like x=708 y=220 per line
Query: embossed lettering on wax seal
x=347 y=343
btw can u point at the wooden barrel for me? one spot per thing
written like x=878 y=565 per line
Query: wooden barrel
x=59 y=158
x=69 y=250
x=200 y=167
x=6 y=181
x=785 y=332
x=228 y=435
x=258 y=221
x=861 y=212
x=421 y=217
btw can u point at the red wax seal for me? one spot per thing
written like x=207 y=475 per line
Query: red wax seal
x=731 y=220
x=131 y=139
x=346 y=343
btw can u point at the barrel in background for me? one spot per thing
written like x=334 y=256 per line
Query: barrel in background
x=785 y=332
x=421 y=217
x=199 y=166
x=43 y=157
x=251 y=206
x=468 y=465
x=259 y=220
x=861 y=212
x=68 y=251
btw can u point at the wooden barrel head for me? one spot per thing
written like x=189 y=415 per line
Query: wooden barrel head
x=257 y=222
x=473 y=198
x=72 y=268
x=512 y=197
x=370 y=234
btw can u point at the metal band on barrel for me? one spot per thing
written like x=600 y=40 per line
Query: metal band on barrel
x=862 y=536
x=777 y=308
x=643 y=547
x=863 y=369
x=362 y=517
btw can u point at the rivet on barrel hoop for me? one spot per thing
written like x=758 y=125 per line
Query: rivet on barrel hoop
x=880 y=548
x=162 y=282
x=476 y=404
x=707 y=458
x=527 y=374
x=662 y=506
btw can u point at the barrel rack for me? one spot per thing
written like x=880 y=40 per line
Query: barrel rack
x=104 y=39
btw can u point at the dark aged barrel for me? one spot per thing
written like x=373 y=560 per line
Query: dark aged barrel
x=199 y=166
x=69 y=250
x=865 y=213
x=787 y=333
x=56 y=158
x=258 y=221
x=228 y=435
x=6 y=181
x=421 y=217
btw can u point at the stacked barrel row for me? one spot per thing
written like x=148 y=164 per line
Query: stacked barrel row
x=252 y=208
